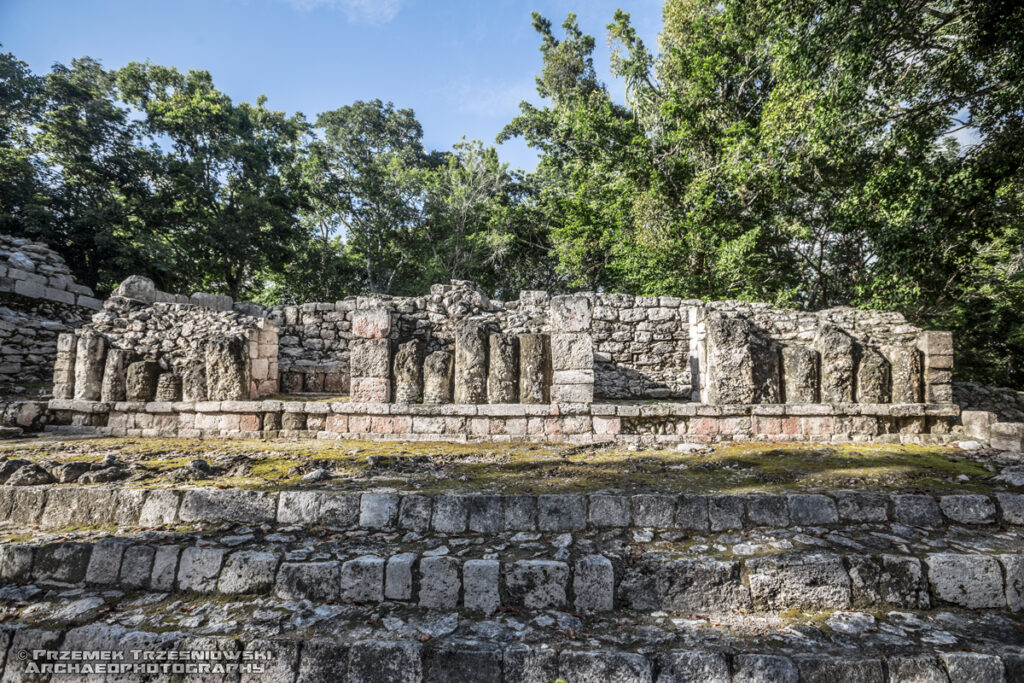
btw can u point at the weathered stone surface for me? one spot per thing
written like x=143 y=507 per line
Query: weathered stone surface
x=919 y=669
x=687 y=585
x=437 y=378
x=609 y=511
x=470 y=362
x=113 y=386
x=725 y=512
x=968 y=509
x=486 y=513
x=414 y=513
x=836 y=351
x=1013 y=566
x=534 y=368
x=730 y=374
x=298 y=507
x=561 y=512
x=64 y=366
x=828 y=668
x=874 y=377
x=168 y=387
x=439 y=583
x=680 y=666
x=602 y=667
x=692 y=512
x=398 y=576
x=916 y=510
x=907 y=374
x=971 y=581
x=378 y=510
x=653 y=510
x=480 y=579
x=227 y=505
x=137 y=566
x=800 y=374
x=889 y=580
x=248 y=571
x=198 y=569
x=323 y=661
x=104 y=564
x=378 y=661
x=570 y=313
x=862 y=506
x=764 y=669
x=362 y=579
x=973 y=667
x=371 y=323
x=812 y=509
x=90 y=359
x=227 y=369
x=770 y=511
x=308 y=581
x=340 y=510
x=409 y=372
x=193 y=382
x=801 y=580
x=503 y=369
x=520 y=513
x=140 y=380
x=530 y=664
x=537 y=584
x=64 y=562
x=165 y=567
x=462 y=662
x=594 y=584
x=450 y=514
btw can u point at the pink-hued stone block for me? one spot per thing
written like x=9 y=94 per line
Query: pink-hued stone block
x=359 y=424
x=371 y=323
x=336 y=423
x=249 y=422
x=767 y=425
x=607 y=425
x=370 y=390
x=703 y=426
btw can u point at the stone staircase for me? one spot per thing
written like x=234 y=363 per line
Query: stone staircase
x=315 y=584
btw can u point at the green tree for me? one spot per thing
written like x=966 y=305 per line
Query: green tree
x=22 y=193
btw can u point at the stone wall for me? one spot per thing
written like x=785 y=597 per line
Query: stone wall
x=39 y=299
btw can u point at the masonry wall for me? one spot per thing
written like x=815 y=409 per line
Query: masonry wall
x=39 y=299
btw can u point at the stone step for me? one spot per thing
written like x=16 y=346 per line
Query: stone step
x=597 y=573
x=56 y=507
x=397 y=648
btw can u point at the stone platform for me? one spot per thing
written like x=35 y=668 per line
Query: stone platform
x=640 y=423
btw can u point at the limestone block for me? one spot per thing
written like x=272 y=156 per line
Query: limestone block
x=520 y=513
x=916 y=510
x=64 y=366
x=340 y=510
x=370 y=358
x=370 y=390
x=227 y=369
x=692 y=512
x=464 y=662
x=371 y=323
x=836 y=349
x=90 y=358
x=730 y=372
x=812 y=509
x=907 y=374
x=373 y=661
x=968 y=667
x=503 y=369
x=653 y=510
x=409 y=372
x=168 y=387
x=609 y=510
x=764 y=668
x=480 y=585
x=862 y=506
x=968 y=509
x=874 y=377
x=530 y=664
x=685 y=585
x=970 y=581
x=439 y=583
x=534 y=368
x=828 y=668
x=888 y=580
x=198 y=569
x=570 y=313
x=165 y=562
x=767 y=358
x=105 y=563
x=450 y=514
x=414 y=513
x=308 y=581
x=437 y=378
x=537 y=584
x=362 y=579
x=771 y=511
x=561 y=512
x=398 y=576
x=800 y=374
x=678 y=666
x=486 y=514
x=112 y=387
x=470 y=363
x=137 y=566
x=725 y=512
x=141 y=379
x=193 y=381
x=804 y=580
x=594 y=584
x=574 y=665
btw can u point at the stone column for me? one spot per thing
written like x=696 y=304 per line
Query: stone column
x=503 y=369
x=193 y=381
x=113 y=386
x=800 y=374
x=168 y=387
x=837 y=364
x=470 y=362
x=534 y=368
x=89 y=359
x=730 y=371
x=64 y=366
x=907 y=373
x=937 y=348
x=141 y=379
x=227 y=369
x=698 y=352
x=409 y=372
x=572 y=350
x=873 y=377
x=370 y=356
x=437 y=378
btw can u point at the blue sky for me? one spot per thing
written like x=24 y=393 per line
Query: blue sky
x=462 y=66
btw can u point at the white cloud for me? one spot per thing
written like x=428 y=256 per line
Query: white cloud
x=491 y=98
x=375 y=12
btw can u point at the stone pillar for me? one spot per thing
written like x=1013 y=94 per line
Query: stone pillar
x=64 y=366
x=141 y=379
x=409 y=372
x=907 y=374
x=800 y=374
x=89 y=359
x=503 y=369
x=937 y=348
x=730 y=372
x=370 y=356
x=534 y=368
x=227 y=369
x=437 y=378
x=113 y=386
x=697 y=333
x=168 y=387
x=572 y=350
x=470 y=362
x=837 y=364
x=767 y=370
x=873 y=377
x=193 y=381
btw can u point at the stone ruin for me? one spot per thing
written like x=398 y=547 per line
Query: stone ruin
x=455 y=364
